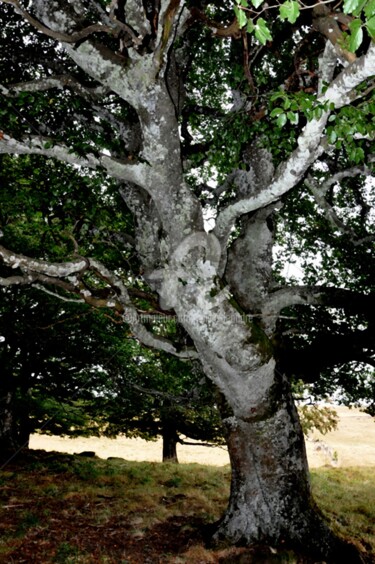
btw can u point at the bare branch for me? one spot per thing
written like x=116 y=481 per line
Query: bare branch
x=139 y=173
x=353 y=302
x=17 y=280
x=51 y=273
x=325 y=22
x=52 y=269
x=132 y=318
x=319 y=192
x=348 y=173
x=59 y=296
x=57 y=81
x=64 y=37
x=170 y=14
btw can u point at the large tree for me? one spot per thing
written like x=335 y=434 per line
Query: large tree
x=199 y=115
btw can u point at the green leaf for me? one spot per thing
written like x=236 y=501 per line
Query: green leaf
x=281 y=120
x=317 y=112
x=277 y=95
x=276 y=112
x=332 y=137
x=350 y=6
x=371 y=26
x=293 y=117
x=357 y=154
x=356 y=35
x=369 y=10
x=262 y=33
x=289 y=11
x=48 y=145
x=256 y=3
x=250 y=26
x=241 y=16
x=358 y=11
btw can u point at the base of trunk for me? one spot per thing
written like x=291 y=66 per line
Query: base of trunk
x=262 y=554
x=309 y=541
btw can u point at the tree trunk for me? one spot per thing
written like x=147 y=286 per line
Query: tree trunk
x=170 y=440
x=270 y=498
x=13 y=435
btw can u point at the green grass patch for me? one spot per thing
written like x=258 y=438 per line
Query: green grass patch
x=347 y=497
x=59 y=508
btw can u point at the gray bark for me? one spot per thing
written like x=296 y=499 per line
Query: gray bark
x=270 y=499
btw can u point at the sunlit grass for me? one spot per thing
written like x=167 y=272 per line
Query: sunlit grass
x=347 y=497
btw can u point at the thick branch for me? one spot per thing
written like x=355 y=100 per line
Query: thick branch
x=353 y=302
x=56 y=81
x=51 y=273
x=17 y=280
x=138 y=173
x=110 y=68
x=54 y=269
x=325 y=22
x=74 y=37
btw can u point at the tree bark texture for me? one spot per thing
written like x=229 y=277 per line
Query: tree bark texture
x=270 y=497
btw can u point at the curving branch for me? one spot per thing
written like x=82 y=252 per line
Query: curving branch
x=53 y=269
x=132 y=317
x=49 y=273
x=132 y=171
x=319 y=191
x=76 y=36
x=353 y=302
x=8 y=281
x=56 y=81
x=326 y=23
x=339 y=93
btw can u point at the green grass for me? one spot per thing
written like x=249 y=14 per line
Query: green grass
x=60 y=508
x=347 y=497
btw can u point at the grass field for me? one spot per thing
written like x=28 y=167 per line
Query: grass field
x=351 y=444
x=59 y=508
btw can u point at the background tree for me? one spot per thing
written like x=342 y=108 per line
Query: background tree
x=51 y=367
x=70 y=371
x=160 y=397
x=160 y=99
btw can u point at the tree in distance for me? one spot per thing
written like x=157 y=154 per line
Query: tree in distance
x=237 y=137
x=70 y=371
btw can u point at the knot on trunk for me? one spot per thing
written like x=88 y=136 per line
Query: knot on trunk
x=188 y=267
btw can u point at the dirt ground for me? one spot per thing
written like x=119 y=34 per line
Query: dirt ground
x=352 y=444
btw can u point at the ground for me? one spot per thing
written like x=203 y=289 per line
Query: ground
x=59 y=508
